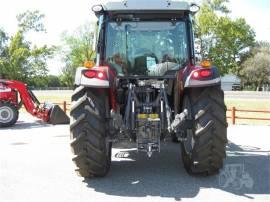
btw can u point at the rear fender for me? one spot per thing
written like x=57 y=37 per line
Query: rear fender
x=95 y=83
x=190 y=82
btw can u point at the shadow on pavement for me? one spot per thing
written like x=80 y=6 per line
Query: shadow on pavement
x=18 y=143
x=21 y=125
x=246 y=171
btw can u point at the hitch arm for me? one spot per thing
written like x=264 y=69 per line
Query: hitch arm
x=178 y=121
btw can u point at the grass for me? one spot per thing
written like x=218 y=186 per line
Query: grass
x=247 y=104
x=55 y=97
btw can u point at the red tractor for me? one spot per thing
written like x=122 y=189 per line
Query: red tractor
x=145 y=87
x=14 y=94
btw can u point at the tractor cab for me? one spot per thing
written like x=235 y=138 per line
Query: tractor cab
x=137 y=39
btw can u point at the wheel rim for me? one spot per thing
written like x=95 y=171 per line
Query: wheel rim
x=6 y=114
x=189 y=143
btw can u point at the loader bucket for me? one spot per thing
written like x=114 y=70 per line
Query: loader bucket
x=57 y=115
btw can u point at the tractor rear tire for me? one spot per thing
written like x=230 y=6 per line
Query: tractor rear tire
x=9 y=114
x=205 y=148
x=92 y=151
x=174 y=138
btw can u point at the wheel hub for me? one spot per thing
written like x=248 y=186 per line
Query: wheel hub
x=6 y=114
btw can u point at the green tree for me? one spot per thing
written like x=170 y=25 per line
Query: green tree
x=222 y=40
x=53 y=81
x=3 y=41
x=19 y=59
x=76 y=50
x=255 y=71
x=67 y=76
x=3 y=51
x=31 y=21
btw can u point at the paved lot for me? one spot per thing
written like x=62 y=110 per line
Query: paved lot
x=35 y=165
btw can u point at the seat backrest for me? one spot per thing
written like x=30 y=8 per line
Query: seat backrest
x=140 y=64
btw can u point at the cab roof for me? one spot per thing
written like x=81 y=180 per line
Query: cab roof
x=147 y=5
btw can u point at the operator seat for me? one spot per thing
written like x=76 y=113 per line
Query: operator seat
x=140 y=64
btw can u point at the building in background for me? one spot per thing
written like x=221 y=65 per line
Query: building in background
x=230 y=82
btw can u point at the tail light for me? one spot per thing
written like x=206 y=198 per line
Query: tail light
x=97 y=74
x=201 y=74
x=90 y=74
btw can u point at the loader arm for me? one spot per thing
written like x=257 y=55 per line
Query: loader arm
x=48 y=112
x=29 y=100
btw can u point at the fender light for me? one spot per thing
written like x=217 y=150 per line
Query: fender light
x=102 y=75
x=206 y=64
x=201 y=74
x=89 y=64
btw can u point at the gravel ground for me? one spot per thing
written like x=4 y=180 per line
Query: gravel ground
x=35 y=165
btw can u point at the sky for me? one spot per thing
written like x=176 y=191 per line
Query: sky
x=68 y=15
